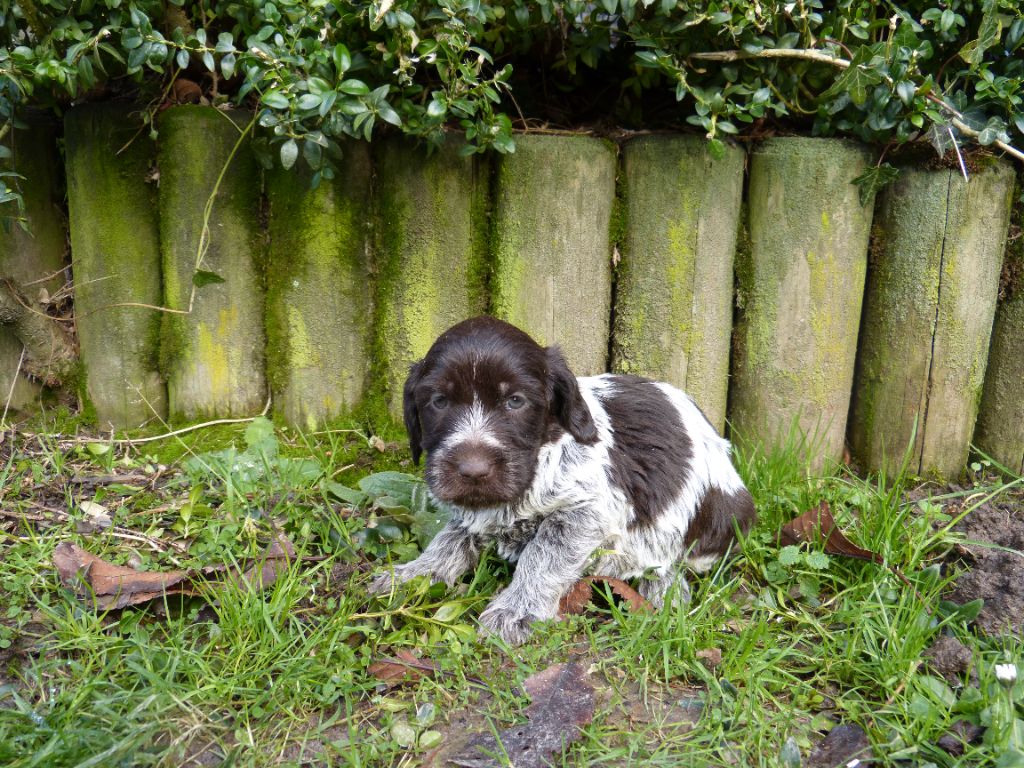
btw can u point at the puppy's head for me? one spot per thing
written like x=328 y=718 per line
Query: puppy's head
x=482 y=403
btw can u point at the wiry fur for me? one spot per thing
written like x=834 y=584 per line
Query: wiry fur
x=615 y=465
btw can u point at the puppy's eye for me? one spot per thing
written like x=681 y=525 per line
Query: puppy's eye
x=515 y=402
x=439 y=401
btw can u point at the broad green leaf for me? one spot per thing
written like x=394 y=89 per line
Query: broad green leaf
x=289 y=154
x=857 y=78
x=873 y=180
x=202 y=278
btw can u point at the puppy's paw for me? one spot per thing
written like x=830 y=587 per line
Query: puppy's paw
x=511 y=626
x=383 y=583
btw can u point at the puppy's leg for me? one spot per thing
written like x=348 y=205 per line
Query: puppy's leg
x=655 y=590
x=548 y=566
x=449 y=555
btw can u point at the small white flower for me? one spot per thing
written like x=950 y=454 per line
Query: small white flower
x=1006 y=674
x=853 y=763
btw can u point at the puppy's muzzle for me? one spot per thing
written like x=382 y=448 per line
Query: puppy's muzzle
x=473 y=464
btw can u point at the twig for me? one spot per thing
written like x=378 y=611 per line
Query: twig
x=182 y=431
x=808 y=54
x=14 y=382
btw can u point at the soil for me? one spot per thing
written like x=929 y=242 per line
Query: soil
x=993 y=556
x=950 y=658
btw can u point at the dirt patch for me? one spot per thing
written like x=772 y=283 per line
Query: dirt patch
x=993 y=552
x=950 y=658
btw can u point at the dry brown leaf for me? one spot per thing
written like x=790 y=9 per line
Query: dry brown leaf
x=562 y=702
x=405 y=667
x=116 y=586
x=818 y=525
x=576 y=600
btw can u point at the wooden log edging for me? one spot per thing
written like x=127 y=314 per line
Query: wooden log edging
x=115 y=260
x=318 y=294
x=930 y=301
x=431 y=231
x=29 y=257
x=551 y=244
x=213 y=356
x=674 y=285
x=800 y=288
x=1000 y=428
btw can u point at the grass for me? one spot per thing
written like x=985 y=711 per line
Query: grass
x=282 y=677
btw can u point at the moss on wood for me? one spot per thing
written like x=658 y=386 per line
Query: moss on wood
x=115 y=260
x=318 y=291
x=929 y=306
x=430 y=219
x=552 y=270
x=674 y=287
x=213 y=357
x=802 y=285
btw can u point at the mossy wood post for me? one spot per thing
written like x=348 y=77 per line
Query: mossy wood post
x=318 y=297
x=930 y=301
x=674 y=292
x=800 y=289
x=552 y=244
x=1000 y=428
x=115 y=259
x=28 y=257
x=213 y=356
x=431 y=229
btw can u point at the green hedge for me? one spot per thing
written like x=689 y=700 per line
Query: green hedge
x=879 y=71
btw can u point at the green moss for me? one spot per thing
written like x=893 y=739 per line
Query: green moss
x=431 y=232
x=115 y=248
x=800 y=292
x=214 y=356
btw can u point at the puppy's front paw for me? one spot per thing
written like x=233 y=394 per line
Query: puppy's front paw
x=384 y=583
x=511 y=626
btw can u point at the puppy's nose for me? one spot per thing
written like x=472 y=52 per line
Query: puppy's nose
x=474 y=467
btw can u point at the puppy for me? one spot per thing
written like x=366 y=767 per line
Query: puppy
x=612 y=475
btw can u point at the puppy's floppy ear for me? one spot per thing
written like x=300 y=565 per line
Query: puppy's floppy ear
x=411 y=413
x=567 y=404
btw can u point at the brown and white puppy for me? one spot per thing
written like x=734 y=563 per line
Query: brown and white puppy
x=610 y=475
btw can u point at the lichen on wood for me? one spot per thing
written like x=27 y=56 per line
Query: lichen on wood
x=318 y=290
x=929 y=306
x=674 y=286
x=551 y=245
x=115 y=260
x=213 y=356
x=800 y=289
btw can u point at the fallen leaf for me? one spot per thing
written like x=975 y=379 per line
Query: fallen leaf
x=576 y=600
x=96 y=518
x=818 y=525
x=114 y=586
x=405 y=667
x=562 y=702
x=111 y=586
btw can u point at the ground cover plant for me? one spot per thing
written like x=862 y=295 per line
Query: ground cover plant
x=786 y=656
